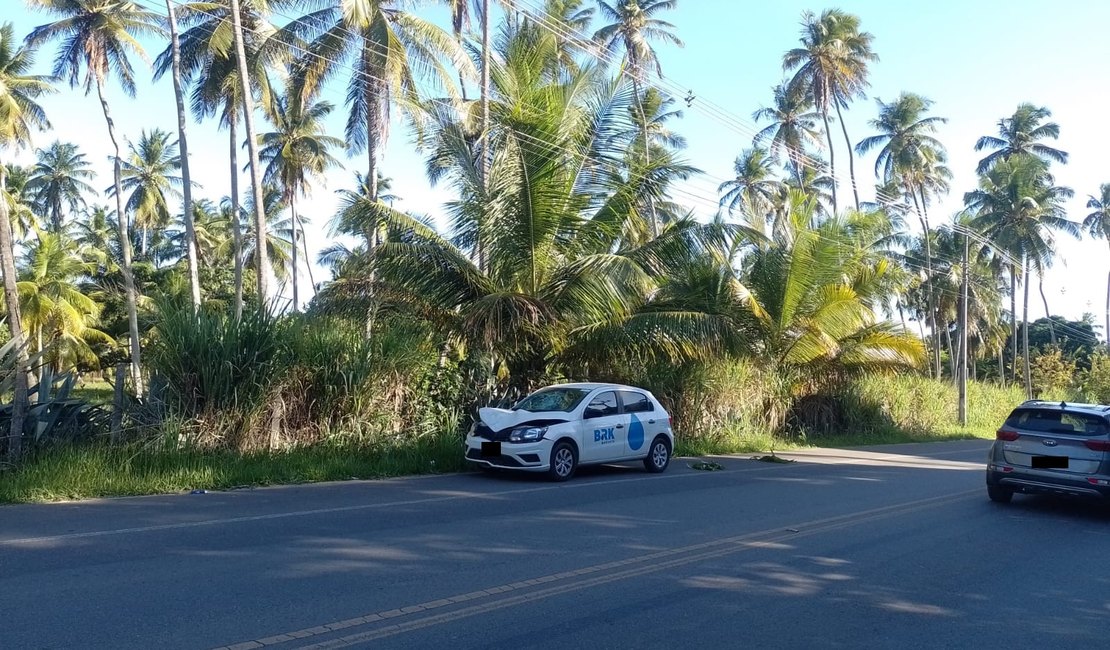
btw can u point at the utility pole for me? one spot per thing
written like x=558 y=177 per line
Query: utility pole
x=964 y=334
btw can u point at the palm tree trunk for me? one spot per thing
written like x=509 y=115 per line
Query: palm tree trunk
x=263 y=267
x=40 y=350
x=15 y=328
x=56 y=213
x=1025 y=331
x=293 y=220
x=1106 y=333
x=832 y=158
x=125 y=248
x=647 y=151
x=236 y=231
x=1047 y=313
x=1002 y=365
x=851 y=158
x=183 y=150
x=929 y=298
x=1013 y=322
x=485 y=164
x=307 y=260
x=952 y=353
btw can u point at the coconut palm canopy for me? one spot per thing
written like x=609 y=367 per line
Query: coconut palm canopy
x=574 y=240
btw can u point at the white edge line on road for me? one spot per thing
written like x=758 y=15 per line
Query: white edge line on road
x=372 y=506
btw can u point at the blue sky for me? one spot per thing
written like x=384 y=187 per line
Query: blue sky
x=976 y=60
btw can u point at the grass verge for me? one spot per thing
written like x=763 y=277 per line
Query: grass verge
x=81 y=472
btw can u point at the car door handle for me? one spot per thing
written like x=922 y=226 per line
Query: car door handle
x=651 y=421
x=620 y=426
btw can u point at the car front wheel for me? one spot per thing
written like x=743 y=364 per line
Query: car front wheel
x=999 y=494
x=659 y=455
x=564 y=460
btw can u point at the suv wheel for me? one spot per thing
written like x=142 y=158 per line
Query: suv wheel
x=999 y=494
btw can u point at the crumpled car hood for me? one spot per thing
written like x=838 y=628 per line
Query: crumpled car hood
x=500 y=419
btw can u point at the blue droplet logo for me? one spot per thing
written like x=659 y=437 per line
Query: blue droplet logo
x=635 y=434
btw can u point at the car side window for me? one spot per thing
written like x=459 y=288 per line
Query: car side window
x=602 y=405
x=636 y=402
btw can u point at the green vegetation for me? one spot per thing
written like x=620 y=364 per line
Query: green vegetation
x=118 y=470
x=570 y=251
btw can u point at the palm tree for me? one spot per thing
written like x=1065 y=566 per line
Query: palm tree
x=149 y=177
x=98 y=37
x=813 y=302
x=279 y=234
x=21 y=210
x=95 y=233
x=58 y=316
x=832 y=68
x=558 y=254
x=1097 y=224
x=1021 y=134
x=909 y=154
x=1018 y=207
x=246 y=97
x=183 y=147
x=209 y=63
x=388 y=47
x=631 y=28
x=297 y=153
x=58 y=181
x=568 y=21
x=754 y=187
x=813 y=180
x=792 y=128
x=904 y=133
x=20 y=115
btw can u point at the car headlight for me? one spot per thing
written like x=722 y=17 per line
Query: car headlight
x=527 y=434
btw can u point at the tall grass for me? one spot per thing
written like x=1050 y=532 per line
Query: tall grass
x=75 y=472
x=737 y=406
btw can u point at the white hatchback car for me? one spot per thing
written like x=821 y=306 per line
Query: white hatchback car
x=558 y=428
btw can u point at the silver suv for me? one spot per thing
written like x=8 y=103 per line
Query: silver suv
x=1051 y=448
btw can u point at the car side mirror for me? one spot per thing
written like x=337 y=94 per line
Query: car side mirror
x=593 y=412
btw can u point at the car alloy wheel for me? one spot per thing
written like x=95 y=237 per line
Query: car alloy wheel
x=563 y=461
x=659 y=457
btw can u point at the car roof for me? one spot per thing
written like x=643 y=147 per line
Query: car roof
x=595 y=386
x=1077 y=407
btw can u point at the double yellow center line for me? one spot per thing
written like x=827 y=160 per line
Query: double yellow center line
x=580 y=579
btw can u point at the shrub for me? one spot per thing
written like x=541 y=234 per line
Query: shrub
x=1094 y=383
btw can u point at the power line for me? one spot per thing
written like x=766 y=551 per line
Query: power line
x=715 y=111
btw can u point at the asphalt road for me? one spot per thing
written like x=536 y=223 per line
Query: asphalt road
x=891 y=547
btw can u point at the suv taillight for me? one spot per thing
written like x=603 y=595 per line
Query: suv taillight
x=1098 y=445
x=1006 y=434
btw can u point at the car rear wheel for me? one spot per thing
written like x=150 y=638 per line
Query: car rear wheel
x=564 y=460
x=999 y=494
x=659 y=455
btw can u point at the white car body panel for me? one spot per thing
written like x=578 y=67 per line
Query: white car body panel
x=611 y=438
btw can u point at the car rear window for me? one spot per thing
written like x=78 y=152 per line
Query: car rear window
x=635 y=402
x=1058 y=421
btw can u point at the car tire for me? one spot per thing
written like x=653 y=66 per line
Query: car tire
x=999 y=494
x=564 y=460
x=659 y=455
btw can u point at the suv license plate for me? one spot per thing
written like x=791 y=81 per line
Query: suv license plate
x=1050 y=462
x=491 y=449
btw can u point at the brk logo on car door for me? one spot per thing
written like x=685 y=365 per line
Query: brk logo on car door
x=605 y=435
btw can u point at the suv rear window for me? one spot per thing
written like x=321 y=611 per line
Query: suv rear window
x=1058 y=421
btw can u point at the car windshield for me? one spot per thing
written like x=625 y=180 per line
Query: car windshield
x=551 y=399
